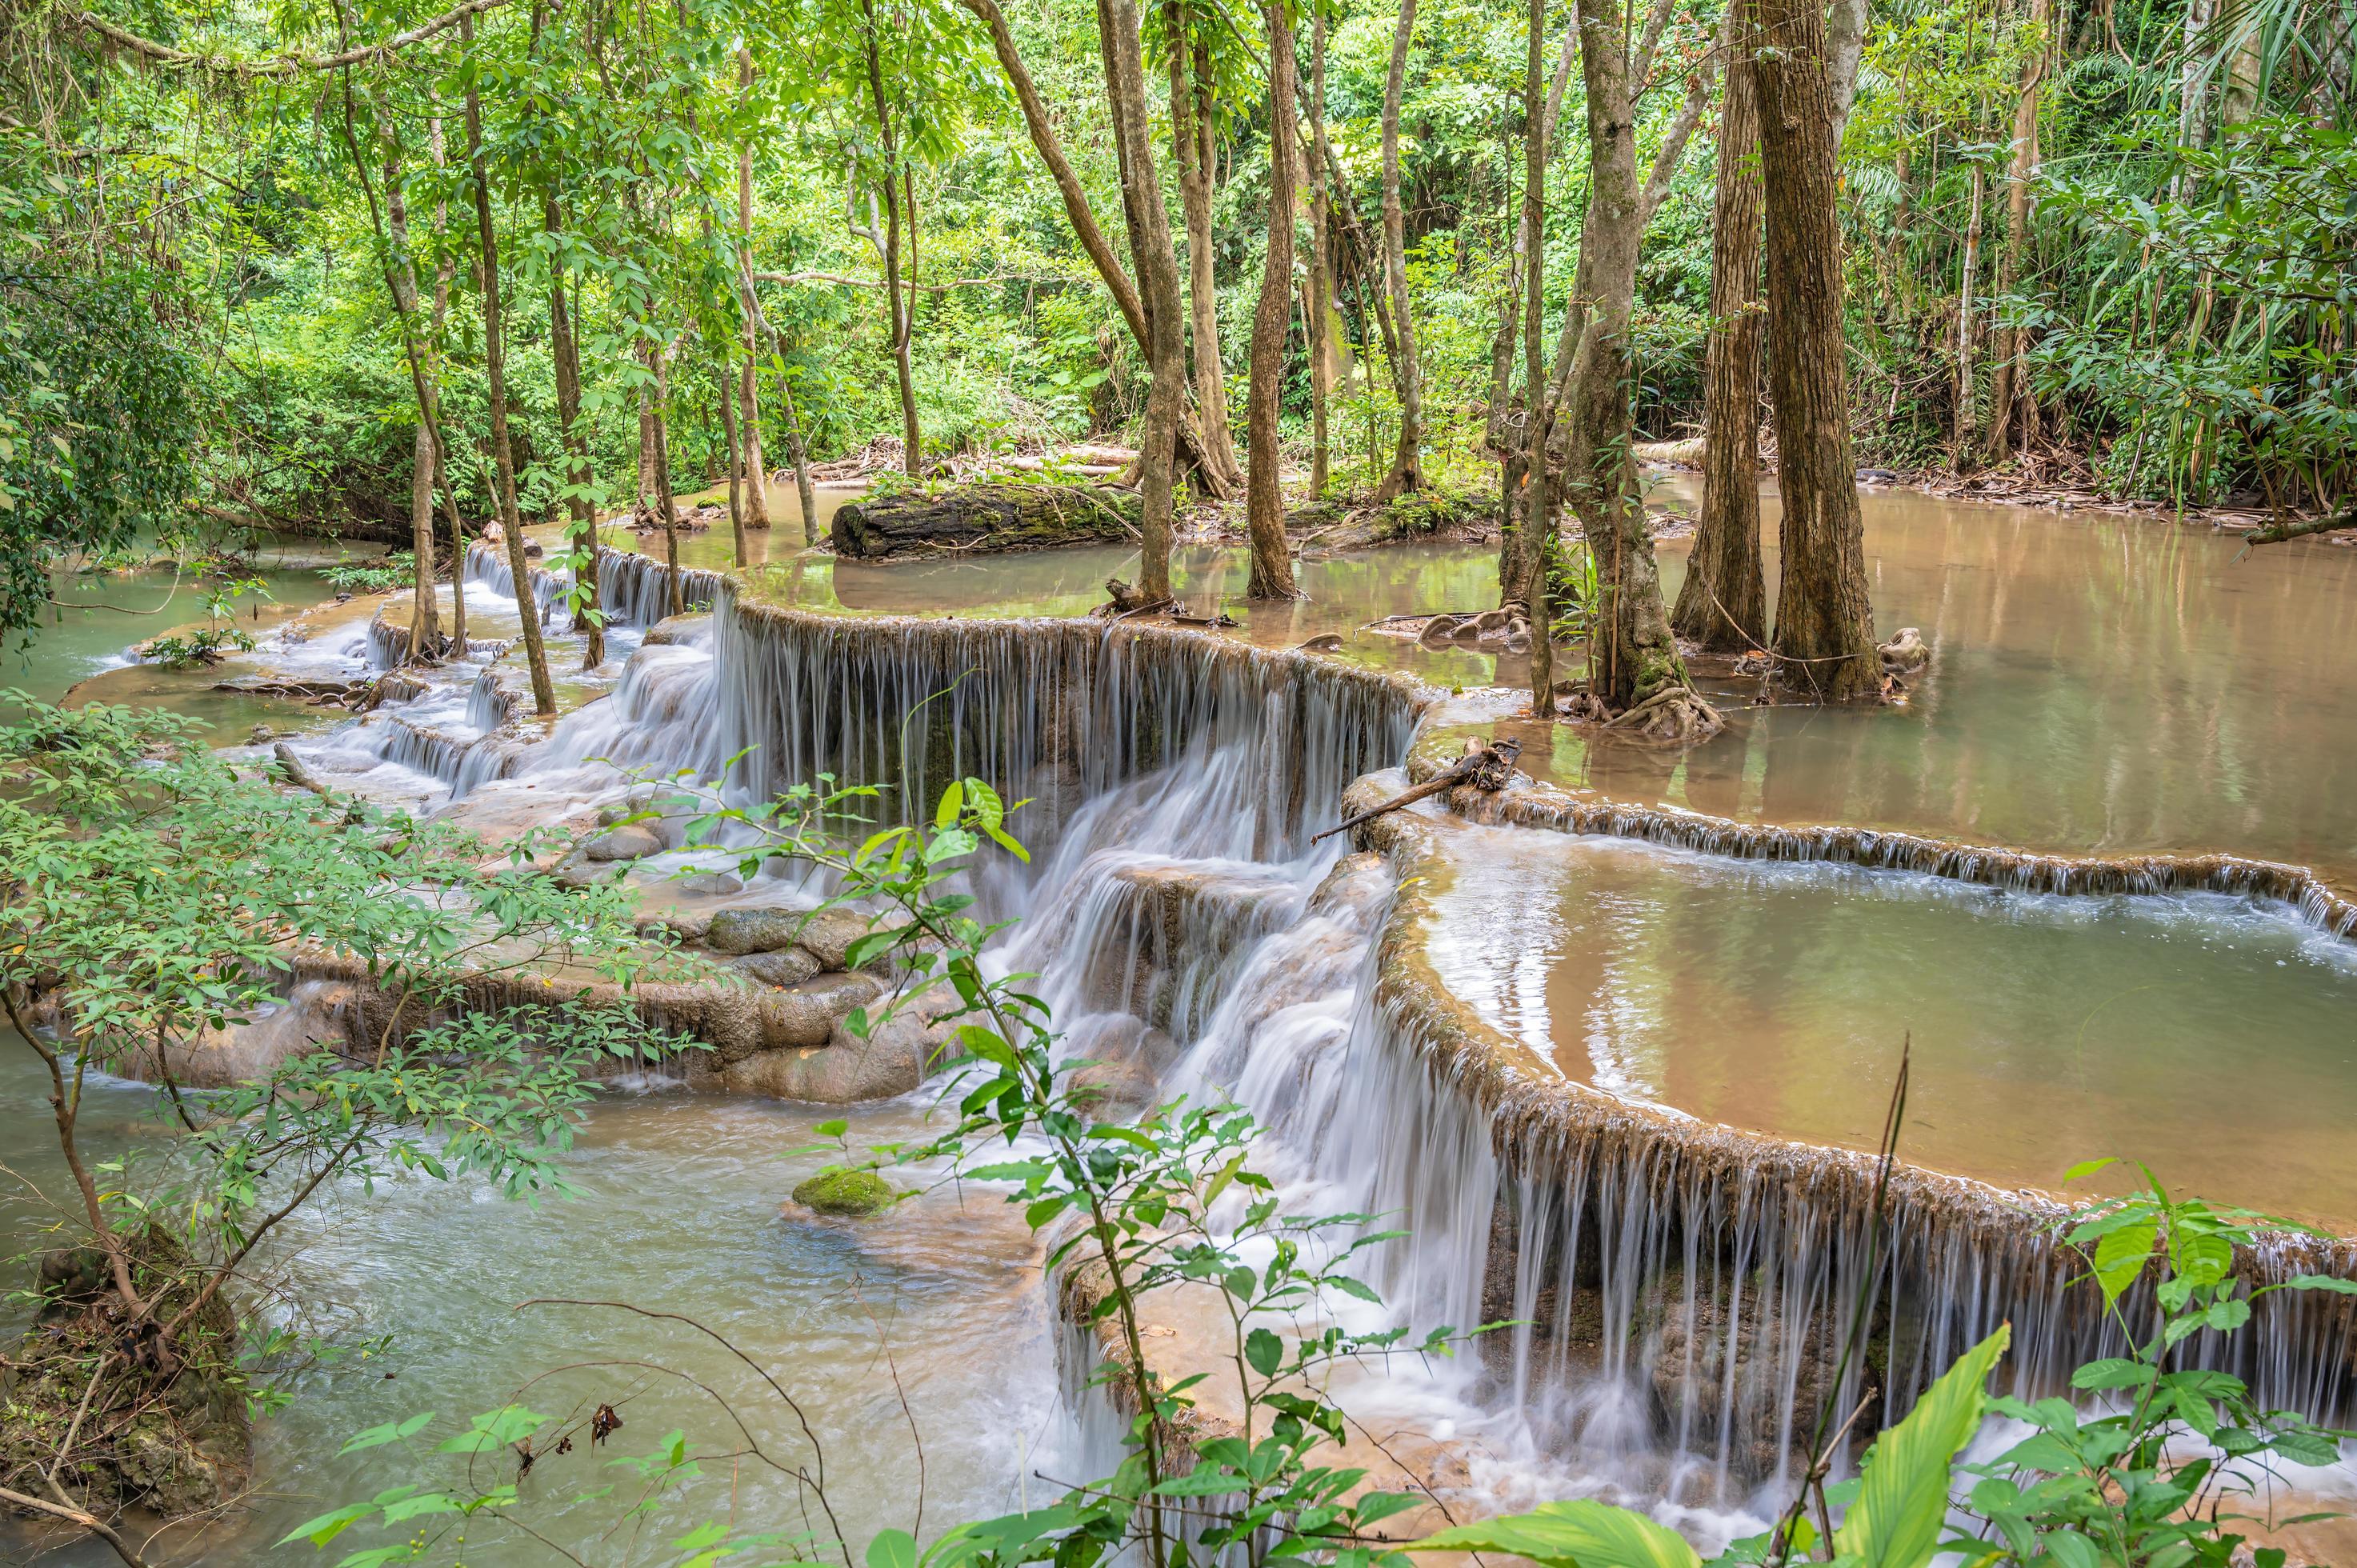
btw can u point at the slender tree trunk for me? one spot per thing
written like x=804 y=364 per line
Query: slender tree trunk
x=1824 y=623
x=425 y=616
x=1157 y=271
x=756 y=463
x=726 y=392
x=2007 y=388
x=1407 y=463
x=1514 y=324
x=1632 y=656
x=1527 y=512
x=1723 y=604
x=445 y=270
x=2192 y=73
x=675 y=600
x=1190 y=132
x=897 y=303
x=564 y=350
x=1319 y=305
x=544 y=692
x=1272 y=566
x=1965 y=420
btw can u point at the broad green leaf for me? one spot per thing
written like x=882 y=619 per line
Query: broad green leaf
x=1903 y=1495
x=328 y=1526
x=391 y=1431
x=2120 y=1256
x=892 y=1549
x=1580 y=1533
x=1264 y=1351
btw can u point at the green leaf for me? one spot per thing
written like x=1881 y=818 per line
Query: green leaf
x=953 y=802
x=1580 y=1533
x=2120 y=1256
x=328 y=1526
x=391 y=1431
x=1264 y=1351
x=892 y=1549
x=1903 y=1495
x=2088 y=1167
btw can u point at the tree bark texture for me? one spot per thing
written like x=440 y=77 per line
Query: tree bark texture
x=1407 y=464
x=982 y=519
x=1824 y=622
x=425 y=614
x=544 y=692
x=1319 y=305
x=1723 y=604
x=1521 y=524
x=1272 y=566
x=725 y=393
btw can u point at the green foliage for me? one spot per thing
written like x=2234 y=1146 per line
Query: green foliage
x=382 y=575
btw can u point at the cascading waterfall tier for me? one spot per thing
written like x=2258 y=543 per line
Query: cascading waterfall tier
x=1545 y=806
x=1059 y=710
x=635 y=590
x=1689 y=1285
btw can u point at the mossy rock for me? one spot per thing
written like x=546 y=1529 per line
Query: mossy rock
x=852 y=1194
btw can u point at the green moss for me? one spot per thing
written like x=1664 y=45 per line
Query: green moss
x=853 y=1194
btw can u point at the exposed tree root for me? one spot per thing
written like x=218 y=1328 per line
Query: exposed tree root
x=1673 y=716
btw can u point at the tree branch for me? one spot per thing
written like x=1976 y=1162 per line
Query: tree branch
x=89 y=1522
x=285 y=65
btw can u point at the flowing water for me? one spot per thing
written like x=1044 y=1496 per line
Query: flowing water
x=1193 y=936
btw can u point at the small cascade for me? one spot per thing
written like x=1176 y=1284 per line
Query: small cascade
x=489 y=704
x=635 y=590
x=487 y=563
x=660 y=719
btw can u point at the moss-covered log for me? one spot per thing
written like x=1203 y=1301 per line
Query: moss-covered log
x=982 y=518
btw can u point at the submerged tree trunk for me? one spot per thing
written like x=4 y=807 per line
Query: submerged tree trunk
x=1407 y=463
x=1271 y=568
x=755 y=463
x=1723 y=604
x=1319 y=305
x=723 y=392
x=1633 y=663
x=897 y=303
x=564 y=350
x=544 y=692
x=2009 y=406
x=1157 y=263
x=1824 y=623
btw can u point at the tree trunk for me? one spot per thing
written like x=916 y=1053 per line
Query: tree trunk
x=1514 y=566
x=566 y=352
x=1319 y=305
x=1407 y=463
x=544 y=692
x=676 y=601
x=2007 y=388
x=754 y=463
x=425 y=614
x=1824 y=623
x=1158 y=272
x=1527 y=517
x=2192 y=72
x=1723 y=604
x=1632 y=657
x=444 y=271
x=1272 y=566
x=1190 y=128
x=1964 y=422
x=725 y=392
x=897 y=303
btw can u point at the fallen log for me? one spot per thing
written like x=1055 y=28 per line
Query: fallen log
x=1490 y=767
x=982 y=518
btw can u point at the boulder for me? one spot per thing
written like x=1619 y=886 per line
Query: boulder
x=893 y=1059
x=847 y=1195
x=782 y=966
x=711 y=885
x=758 y=929
x=633 y=842
x=679 y=925
x=831 y=932
x=809 y=1013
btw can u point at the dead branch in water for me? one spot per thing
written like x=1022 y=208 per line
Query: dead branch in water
x=1486 y=767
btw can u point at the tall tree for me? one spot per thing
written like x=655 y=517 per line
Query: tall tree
x=1272 y=566
x=1319 y=304
x=755 y=463
x=564 y=350
x=1723 y=604
x=424 y=617
x=899 y=304
x=2011 y=411
x=544 y=691
x=1192 y=129
x=1825 y=621
x=1407 y=463
x=1635 y=673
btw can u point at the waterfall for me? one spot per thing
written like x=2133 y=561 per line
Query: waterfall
x=635 y=590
